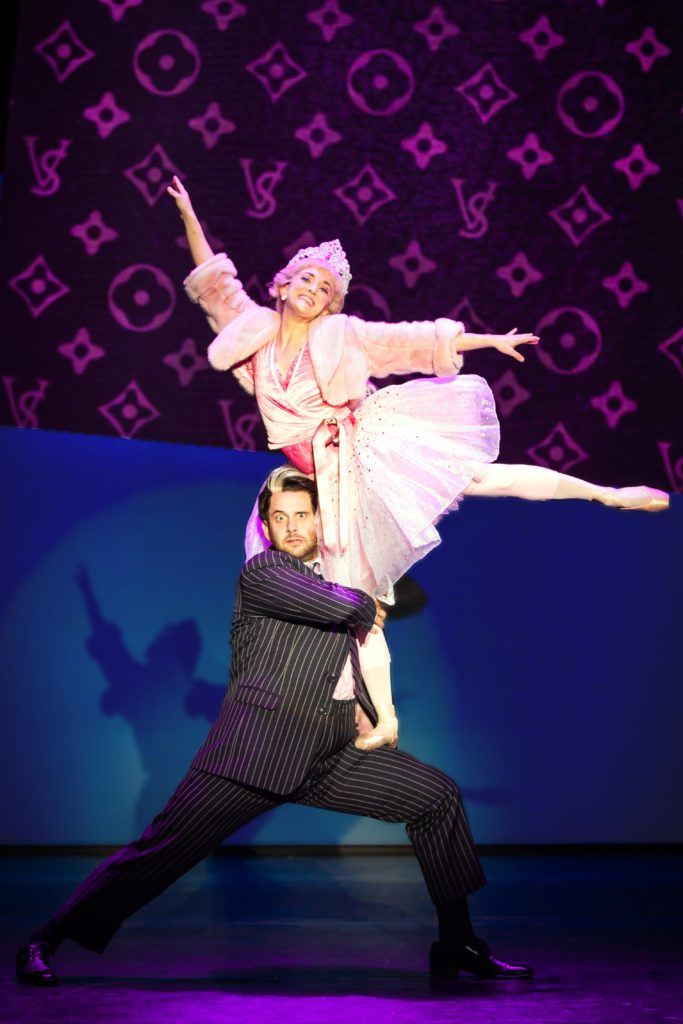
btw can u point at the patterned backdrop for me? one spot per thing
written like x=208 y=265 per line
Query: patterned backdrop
x=505 y=162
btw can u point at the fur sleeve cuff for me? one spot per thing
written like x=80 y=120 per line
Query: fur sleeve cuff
x=207 y=275
x=220 y=294
x=447 y=360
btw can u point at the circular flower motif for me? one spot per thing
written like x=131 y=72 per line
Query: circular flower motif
x=380 y=82
x=166 y=62
x=590 y=104
x=570 y=340
x=141 y=298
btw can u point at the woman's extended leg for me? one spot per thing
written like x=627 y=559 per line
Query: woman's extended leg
x=540 y=484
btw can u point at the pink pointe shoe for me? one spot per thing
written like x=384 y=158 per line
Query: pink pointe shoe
x=385 y=734
x=635 y=499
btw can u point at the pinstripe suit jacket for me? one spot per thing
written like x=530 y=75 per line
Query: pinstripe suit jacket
x=290 y=640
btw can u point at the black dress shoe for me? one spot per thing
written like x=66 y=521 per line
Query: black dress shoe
x=34 y=967
x=476 y=958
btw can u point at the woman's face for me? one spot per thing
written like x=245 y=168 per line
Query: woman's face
x=310 y=292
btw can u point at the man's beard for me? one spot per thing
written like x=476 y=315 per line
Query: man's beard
x=305 y=551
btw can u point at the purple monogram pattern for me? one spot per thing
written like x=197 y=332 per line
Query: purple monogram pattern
x=507 y=164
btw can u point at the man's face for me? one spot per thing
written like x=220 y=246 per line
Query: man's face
x=291 y=524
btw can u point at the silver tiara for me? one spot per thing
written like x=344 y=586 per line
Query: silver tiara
x=330 y=253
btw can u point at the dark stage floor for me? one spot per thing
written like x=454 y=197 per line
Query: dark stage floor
x=263 y=937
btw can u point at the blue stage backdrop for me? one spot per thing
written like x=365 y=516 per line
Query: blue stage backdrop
x=505 y=163
x=543 y=669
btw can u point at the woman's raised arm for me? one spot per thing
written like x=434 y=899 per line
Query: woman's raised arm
x=200 y=249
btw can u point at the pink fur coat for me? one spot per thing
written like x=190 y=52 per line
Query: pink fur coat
x=345 y=350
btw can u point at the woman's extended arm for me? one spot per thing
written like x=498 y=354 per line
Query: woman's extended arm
x=505 y=343
x=200 y=249
x=427 y=347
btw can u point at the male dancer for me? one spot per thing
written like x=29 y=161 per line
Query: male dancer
x=285 y=733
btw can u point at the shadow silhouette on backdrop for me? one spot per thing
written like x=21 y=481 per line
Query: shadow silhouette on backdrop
x=154 y=696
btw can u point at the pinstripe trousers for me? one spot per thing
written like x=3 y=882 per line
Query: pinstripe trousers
x=386 y=784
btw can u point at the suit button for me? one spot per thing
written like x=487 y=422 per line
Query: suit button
x=331 y=678
x=322 y=711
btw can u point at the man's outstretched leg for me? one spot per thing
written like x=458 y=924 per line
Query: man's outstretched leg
x=203 y=810
x=391 y=785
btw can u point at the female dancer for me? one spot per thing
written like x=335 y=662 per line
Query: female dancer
x=387 y=464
